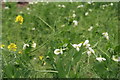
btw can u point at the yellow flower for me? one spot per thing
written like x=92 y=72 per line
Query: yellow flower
x=20 y=52
x=41 y=57
x=12 y=47
x=19 y=19
x=2 y=46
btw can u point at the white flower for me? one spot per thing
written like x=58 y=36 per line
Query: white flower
x=33 y=45
x=34 y=58
x=89 y=2
x=77 y=46
x=90 y=10
x=90 y=28
x=89 y=53
x=100 y=59
x=33 y=29
x=28 y=8
x=36 y=2
x=63 y=6
x=63 y=25
x=111 y=4
x=6 y=7
x=30 y=2
x=86 y=13
x=80 y=6
x=59 y=5
x=25 y=46
x=86 y=42
x=74 y=15
x=75 y=22
x=115 y=59
x=91 y=50
x=105 y=34
x=58 y=51
x=21 y=12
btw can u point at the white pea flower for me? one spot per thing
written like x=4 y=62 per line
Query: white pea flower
x=6 y=7
x=35 y=58
x=105 y=34
x=74 y=15
x=89 y=53
x=115 y=59
x=33 y=29
x=77 y=46
x=25 y=46
x=58 y=51
x=63 y=6
x=86 y=13
x=90 y=28
x=100 y=59
x=59 y=5
x=33 y=45
x=30 y=2
x=21 y=12
x=28 y=8
x=63 y=25
x=111 y=4
x=86 y=42
x=91 y=50
x=80 y=6
x=75 y=22
x=90 y=10
x=89 y=2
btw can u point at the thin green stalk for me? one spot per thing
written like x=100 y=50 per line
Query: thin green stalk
x=46 y=23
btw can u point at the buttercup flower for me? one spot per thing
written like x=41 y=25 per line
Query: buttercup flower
x=77 y=46
x=58 y=51
x=100 y=59
x=20 y=52
x=41 y=57
x=105 y=34
x=2 y=46
x=19 y=19
x=12 y=47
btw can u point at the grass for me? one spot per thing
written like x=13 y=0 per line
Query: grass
x=54 y=29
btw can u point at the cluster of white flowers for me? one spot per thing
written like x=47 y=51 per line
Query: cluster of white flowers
x=105 y=34
x=62 y=6
x=27 y=45
x=87 y=46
